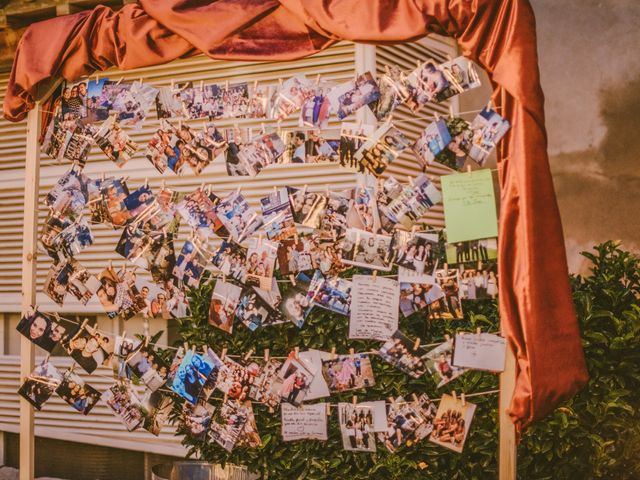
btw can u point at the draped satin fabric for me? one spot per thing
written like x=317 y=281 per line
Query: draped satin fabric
x=538 y=316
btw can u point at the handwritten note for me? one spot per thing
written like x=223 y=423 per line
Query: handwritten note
x=469 y=206
x=374 y=308
x=483 y=351
x=304 y=422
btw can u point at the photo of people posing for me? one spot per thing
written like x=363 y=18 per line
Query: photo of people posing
x=364 y=214
x=228 y=424
x=122 y=399
x=433 y=140
x=169 y=103
x=41 y=330
x=347 y=372
x=424 y=84
x=115 y=142
x=277 y=215
x=90 y=348
x=148 y=366
x=259 y=98
x=236 y=139
x=56 y=285
x=385 y=145
x=450 y=306
x=207 y=145
x=156 y=407
x=472 y=251
x=368 y=250
x=224 y=301
x=199 y=211
x=113 y=192
x=440 y=366
x=196 y=420
x=413 y=202
x=252 y=310
x=118 y=294
x=352 y=137
x=356 y=427
x=403 y=353
x=261 y=260
x=462 y=76
x=419 y=252
x=41 y=383
x=290 y=96
x=192 y=374
x=393 y=91
x=235 y=378
x=333 y=221
x=478 y=281
x=332 y=293
x=488 y=129
x=348 y=97
x=402 y=421
x=452 y=423
x=80 y=395
x=308 y=207
x=238 y=217
x=69 y=195
x=295 y=304
x=298 y=255
x=261 y=152
x=164 y=147
x=293 y=381
x=231 y=260
x=190 y=264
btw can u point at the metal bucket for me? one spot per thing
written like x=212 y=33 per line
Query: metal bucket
x=199 y=471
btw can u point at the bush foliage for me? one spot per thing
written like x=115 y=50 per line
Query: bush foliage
x=594 y=435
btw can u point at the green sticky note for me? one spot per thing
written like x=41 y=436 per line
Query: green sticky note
x=469 y=206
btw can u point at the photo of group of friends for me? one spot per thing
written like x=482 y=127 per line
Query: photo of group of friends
x=356 y=427
x=381 y=149
x=332 y=293
x=452 y=423
x=451 y=305
x=404 y=354
x=311 y=146
x=41 y=384
x=403 y=419
x=293 y=380
x=277 y=215
x=316 y=109
x=192 y=374
x=125 y=403
x=261 y=262
x=224 y=302
x=416 y=251
x=198 y=209
x=348 y=372
x=478 y=281
x=229 y=423
x=368 y=250
x=118 y=293
x=348 y=97
x=90 y=348
x=77 y=393
x=196 y=419
x=235 y=378
x=114 y=142
x=238 y=217
x=440 y=366
x=260 y=152
x=298 y=254
x=147 y=365
x=190 y=264
x=418 y=294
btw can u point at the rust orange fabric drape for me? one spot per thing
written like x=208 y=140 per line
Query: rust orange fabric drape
x=537 y=311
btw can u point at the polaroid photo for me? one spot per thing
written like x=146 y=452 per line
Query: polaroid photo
x=136 y=104
x=454 y=155
x=374 y=308
x=56 y=285
x=416 y=251
x=253 y=310
x=78 y=144
x=235 y=379
x=479 y=351
x=193 y=100
x=224 y=301
x=364 y=213
x=318 y=387
x=228 y=424
x=290 y=96
x=352 y=137
x=207 y=145
x=261 y=260
x=148 y=366
x=387 y=191
x=488 y=129
x=161 y=216
x=162 y=259
x=393 y=91
x=196 y=420
x=261 y=152
x=331 y=293
x=212 y=380
x=307 y=207
x=57 y=135
x=114 y=142
x=273 y=298
x=50 y=237
x=190 y=265
x=96 y=101
x=177 y=301
x=80 y=395
x=418 y=293
x=452 y=423
x=135 y=245
x=322 y=146
x=122 y=348
x=333 y=221
x=293 y=381
x=426 y=409
x=405 y=354
x=349 y=97
x=41 y=383
x=369 y=250
x=81 y=284
x=139 y=201
x=347 y=372
x=97 y=207
x=235 y=99
x=356 y=427
x=250 y=437
x=237 y=139
x=478 y=281
x=296 y=305
x=402 y=422
x=123 y=400
x=277 y=215
x=90 y=348
x=316 y=109
x=377 y=153
x=259 y=98
x=192 y=373
x=118 y=294
x=175 y=365
x=163 y=147
x=41 y=330
x=231 y=260
x=472 y=251
x=329 y=260
x=261 y=389
x=440 y=366
x=69 y=195
x=298 y=255
x=238 y=217
x=169 y=103
x=424 y=84
x=156 y=407
x=462 y=76
x=431 y=142
x=304 y=422
x=450 y=306
x=199 y=211
x=113 y=192
x=413 y=202
x=74 y=100
x=154 y=297
x=116 y=94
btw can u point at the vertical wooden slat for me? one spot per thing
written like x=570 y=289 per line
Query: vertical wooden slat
x=29 y=266
x=508 y=447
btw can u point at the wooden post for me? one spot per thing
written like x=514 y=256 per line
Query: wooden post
x=508 y=448
x=29 y=267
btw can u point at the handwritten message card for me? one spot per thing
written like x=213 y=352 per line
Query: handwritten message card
x=483 y=351
x=469 y=206
x=306 y=421
x=374 y=308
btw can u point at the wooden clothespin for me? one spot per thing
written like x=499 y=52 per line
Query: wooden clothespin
x=463 y=399
x=225 y=398
x=414 y=397
x=451 y=115
x=146 y=182
x=223 y=354
x=375 y=276
x=238 y=190
x=328 y=409
x=478 y=331
x=418 y=63
x=296 y=353
x=333 y=353
x=318 y=79
x=224 y=278
x=468 y=168
x=436 y=115
x=255 y=84
x=119 y=81
x=292 y=279
x=455 y=397
x=201 y=84
x=489 y=104
x=266 y=355
x=392 y=401
x=248 y=354
x=354 y=399
x=423 y=465
x=262 y=129
x=410 y=179
x=146 y=341
x=416 y=345
x=259 y=240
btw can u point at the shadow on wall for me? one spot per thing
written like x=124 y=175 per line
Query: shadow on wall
x=599 y=189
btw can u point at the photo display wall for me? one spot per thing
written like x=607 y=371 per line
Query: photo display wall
x=361 y=253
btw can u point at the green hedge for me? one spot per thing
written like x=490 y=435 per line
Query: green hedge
x=594 y=435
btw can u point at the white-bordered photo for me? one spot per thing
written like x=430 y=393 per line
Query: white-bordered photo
x=41 y=383
x=369 y=250
x=404 y=354
x=377 y=153
x=239 y=218
x=351 y=96
x=432 y=140
x=277 y=215
x=488 y=129
x=356 y=427
x=261 y=261
x=224 y=301
x=462 y=76
x=439 y=362
x=452 y=423
x=293 y=381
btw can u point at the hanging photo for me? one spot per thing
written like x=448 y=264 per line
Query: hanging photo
x=253 y=310
x=348 y=97
x=196 y=420
x=122 y=399
x=114 y=142
x=295 y=305
x=440 y=365
x=454 y=155
x=41 y=330
x=347 y=372
x=56 y=285
x=205 y=147
x=488 y=129
x=298 y=255
x=425 y=83
x=239 y=218
x=135 y=245
x=333 y=221
x=192 y=373
x=214 y=376
x=332 y=293
x=57 y=135
x=261 y=389
x=450 y=306
x=228 y=424
x=113 y=192
x=478 y=281
x=249 y=437
x=387 y=191
x=415 y=200
x=472 y=251
x=416 y=251
x=307 y=207
x=165 y=148
x=277 y=215
x=431 y=142
x=377 y=153
x=369 y=250
x=261 y=259
x=74 y=239
x=118 y=295
x=169 y=103
x=402 y=421
x=316 y=109
x=177 y=301
x=405 y=354
x=148 y=366
x=161 y=216
x=237 y=138
x=90 y=348
x=74 y=100
x=393 y=91
x=69 y=195
x=122 y=349
x=352 y=137
x=162 y=259
x=364 y=214
x=426 y=410
x=462 y=76
x=97 y=101
x=199 y=211
x=231 y=260
x=259 y=97
x=418 y=292
x=293 y=381
x=41 y=383
x=235 y=378
x=356 y=427
x=224 y=301
x=134 y=107
x=80 y=395
x=77 y=144
x=290 y=96
x=190 y=265
x=261 y=152
x=156 y=407
x=193 y=100
x=452 y=423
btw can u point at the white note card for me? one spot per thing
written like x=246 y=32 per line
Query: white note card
x=304 y=422
x=374 y=308
x=483 y=351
